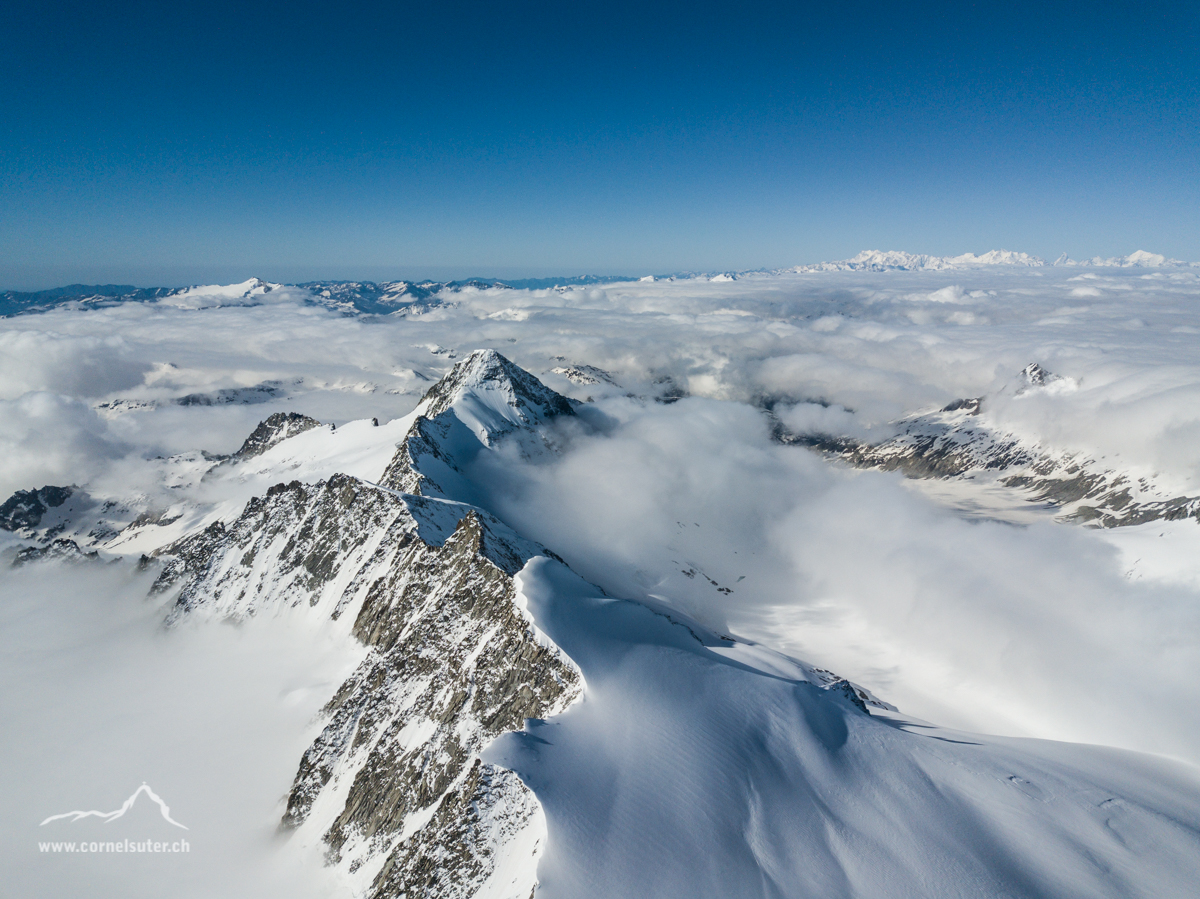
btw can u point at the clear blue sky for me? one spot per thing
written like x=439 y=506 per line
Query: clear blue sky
x=178 y=142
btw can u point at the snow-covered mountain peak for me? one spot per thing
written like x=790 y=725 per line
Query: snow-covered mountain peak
x=897 y=261
x=252 y=292
x=1142 y=257
x=486 y=372
x=482 y=398
x=1137 y=259
x=1035 y=375
x=241 y=290
x=492 y=396
x=1036 y=378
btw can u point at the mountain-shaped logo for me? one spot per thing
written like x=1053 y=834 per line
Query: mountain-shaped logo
x=109 y=817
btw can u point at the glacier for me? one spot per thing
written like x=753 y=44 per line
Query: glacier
x=636 y=618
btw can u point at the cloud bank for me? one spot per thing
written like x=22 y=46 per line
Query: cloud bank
x=1031 y=630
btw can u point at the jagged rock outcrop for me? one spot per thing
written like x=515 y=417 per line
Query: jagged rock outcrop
x=394 y=783
x=66 y=516
x=958 y=442
x=460 y=852
x=25 y=508
x=276 y=428
x=946 y=443
x=61 y=550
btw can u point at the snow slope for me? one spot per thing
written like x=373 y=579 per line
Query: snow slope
x=698 y=762
x=691 y=769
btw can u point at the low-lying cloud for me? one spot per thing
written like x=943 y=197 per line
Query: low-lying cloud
x=1019 y=630
x=98 y=698
x=1033 y=630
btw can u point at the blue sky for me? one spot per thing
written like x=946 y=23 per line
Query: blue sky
x=173 y=143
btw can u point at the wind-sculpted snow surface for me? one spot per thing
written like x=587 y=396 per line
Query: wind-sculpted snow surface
x=703 y=767
x=626 y=715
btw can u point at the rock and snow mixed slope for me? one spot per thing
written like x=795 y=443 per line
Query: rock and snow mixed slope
x=695 y=764
x=959 y=444
x=393 y=787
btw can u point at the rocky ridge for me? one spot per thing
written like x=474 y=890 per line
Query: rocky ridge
x=958 y=443
x=393 y=784
x=393 y=789
x=274 y=429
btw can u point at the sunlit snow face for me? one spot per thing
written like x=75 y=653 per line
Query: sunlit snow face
x=692 y=502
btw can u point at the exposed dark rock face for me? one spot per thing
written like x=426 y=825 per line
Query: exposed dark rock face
x=275 y=429
x=458 y=849
x=61 y=550
x=1035 y=375
x=971 y=406
x=668 y=390
x=259 y=393
x=942 y=445
x=25 y=508
x=954 y=442
x=394 y=783
x=452 y=663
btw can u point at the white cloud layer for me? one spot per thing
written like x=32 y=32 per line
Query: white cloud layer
x=97 y=698
x=1027 y=631
x=1032 y=631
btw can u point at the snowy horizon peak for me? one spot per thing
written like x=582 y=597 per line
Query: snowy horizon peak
x=246 y=288
x=1136 y=259
x=251 y=292
x=898 y=260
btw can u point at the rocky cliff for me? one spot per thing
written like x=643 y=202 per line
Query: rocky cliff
x=394 y=783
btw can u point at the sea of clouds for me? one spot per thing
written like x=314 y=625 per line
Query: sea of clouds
x=1035 y=630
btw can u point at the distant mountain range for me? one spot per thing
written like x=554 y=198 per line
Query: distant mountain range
x=895 y=260
x=392 y=297
x=359 y=297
